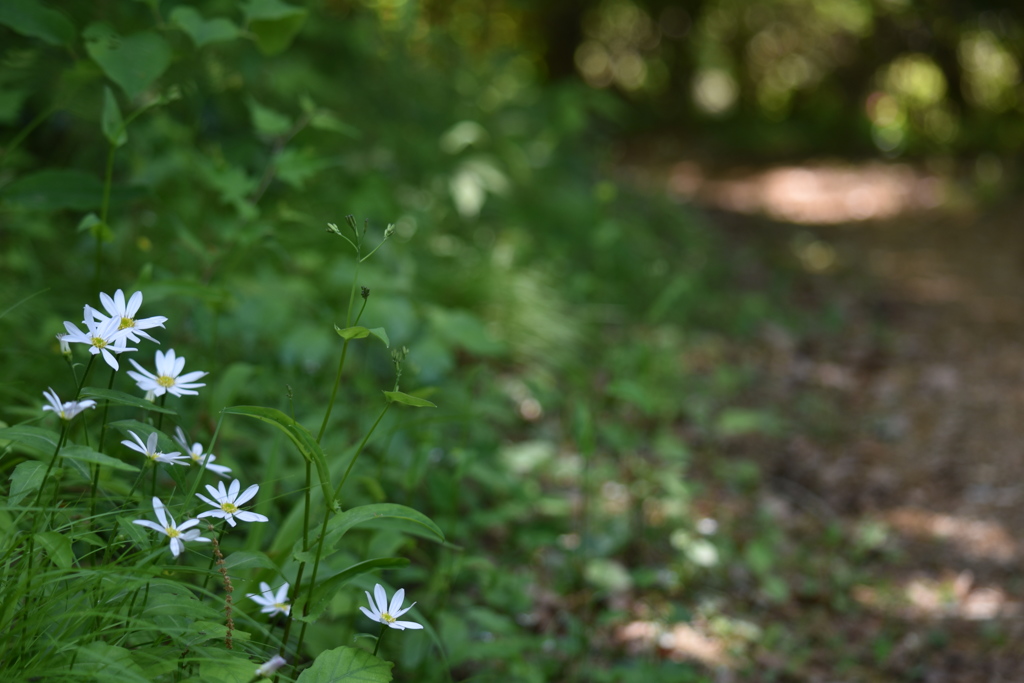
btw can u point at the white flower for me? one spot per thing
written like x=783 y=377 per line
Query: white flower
x=149 y=449
x=68 y=410
x=228 y=502
x=167 y=527
x=102 y=336
x=195 y=451
x=380 y=611
x=273 y=603
x=167 y=379
x=65 y=348
x=271 y=665
x=125 y=315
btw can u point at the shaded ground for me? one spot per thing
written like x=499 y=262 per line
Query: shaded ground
x=926 y=385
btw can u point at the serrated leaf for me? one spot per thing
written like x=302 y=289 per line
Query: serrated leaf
x=111 y=120
x=57 y=547
x=120 y=398
x=326 y=589
x=86 y=454
x=133 y=62
x=384 y=513
x=26 y=479
x=347 y=664
x=274 y=24
x=406 y=399
x=203 y=31
x=30 y=18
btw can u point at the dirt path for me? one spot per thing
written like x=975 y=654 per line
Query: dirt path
x=929 y=381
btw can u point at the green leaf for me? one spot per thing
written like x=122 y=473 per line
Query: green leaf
x=406 y=399
x=203 y=31
x=86 y=454
x=30 y=18
x=379 y=333
x=99 y=661
x=347 y=664
x=26 y=478
x=228 y=668
x=384 y=515
x=266 y=121
x=359 y=332
x=112 y=121
x=56 y=189
x=57 y=547
x=36 y=438
x=274 y=24
x=299 y=436
x=133 y=62
x=120 y=398
x=326 y=589
x=248 y=560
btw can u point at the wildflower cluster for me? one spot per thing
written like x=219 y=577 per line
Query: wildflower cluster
x=192 y=521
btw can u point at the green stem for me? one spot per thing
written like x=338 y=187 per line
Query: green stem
x=334 y=391
x=103 y=435
x=337 y=491
x=380 y=637
x=213 y=557
x=104 y=210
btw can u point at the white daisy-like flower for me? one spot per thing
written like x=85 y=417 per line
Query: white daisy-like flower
x=228 y=503
x=168 y=377
x=273 y=603
x=124 y=313
x=381 y=612
x=178 y=534
x=269 y=667
x=102 y=336
x=150 y=450
x=66 y=411
x=195 y=451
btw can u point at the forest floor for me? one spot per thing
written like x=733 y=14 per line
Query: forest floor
x=925 y=383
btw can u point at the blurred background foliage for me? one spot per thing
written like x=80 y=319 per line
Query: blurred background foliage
x=582 y=337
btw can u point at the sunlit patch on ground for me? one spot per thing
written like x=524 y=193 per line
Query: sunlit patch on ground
x=974 y=538
x=952 y=596
x=678 y=642
x=814 y=193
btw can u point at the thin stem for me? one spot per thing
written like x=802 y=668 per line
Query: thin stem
x=104 y=209
x=380 y=637
x=103 y=435
x=334 y=392
x=337 y=491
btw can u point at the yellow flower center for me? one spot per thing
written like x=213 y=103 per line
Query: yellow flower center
x=283 y=606
x=229 y=508
x=99 y=342
x=387 y=618
x=172 y=532
x=165 y=381
x=127 y=322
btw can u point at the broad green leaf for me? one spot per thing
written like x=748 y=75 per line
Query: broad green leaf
x=266 y=121
x=228 y=669
x=56 y=189
x=171 y=598
x=112 y=121
x=88 y=455
x=120 y=398
x=406 y=399
x=384 y=514
x=298 y=435
x=133 y=62
x=248 y=560
x=57 y=547
x=203 y=31
x=360 y=332
x=326 y=589
x=26 y=478
x=30 y=18
x=274 y=24
x=347 y=664
x=36 y=438
x=99 y=661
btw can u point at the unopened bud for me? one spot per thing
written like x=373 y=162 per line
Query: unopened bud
x=65 y=347
x=365 y=292
x=389 y=231
x=272 y=665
